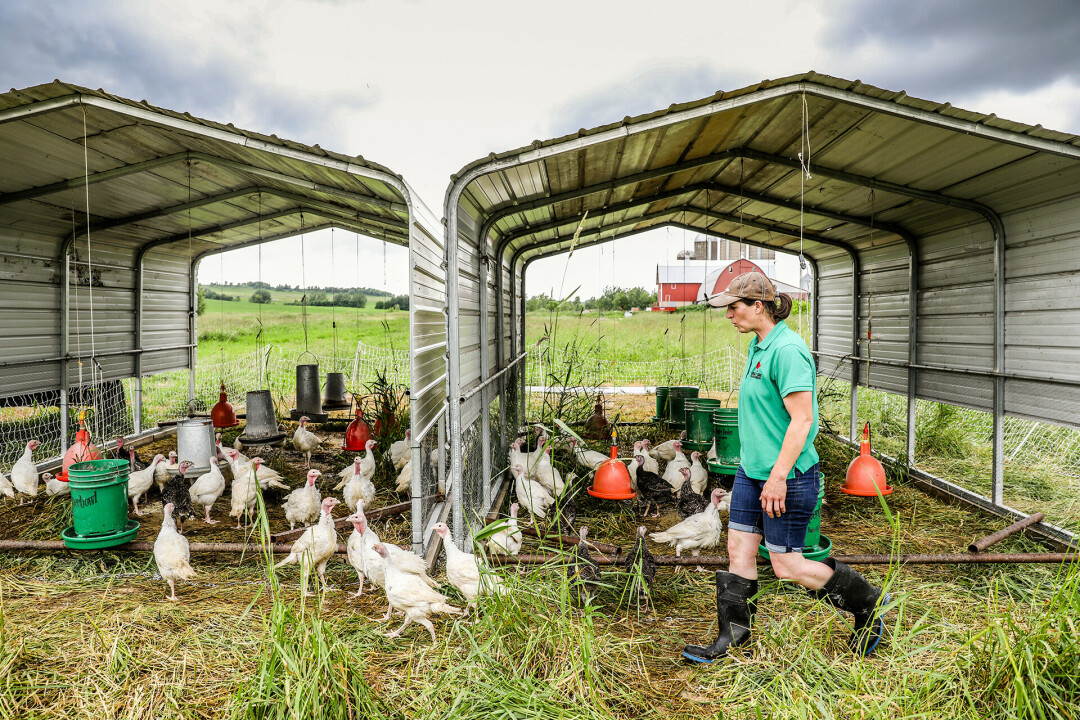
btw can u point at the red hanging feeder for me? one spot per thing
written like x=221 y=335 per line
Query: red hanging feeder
x=612 y=478
x=223 y=415
x=596 y=427
x=865 y=475
x=81 y=451
x=357 y=434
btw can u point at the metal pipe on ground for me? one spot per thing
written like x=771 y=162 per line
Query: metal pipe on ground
x=372 y=515
x=980 y=545
x=605 y=548
x=915 y=559
x=139 y=546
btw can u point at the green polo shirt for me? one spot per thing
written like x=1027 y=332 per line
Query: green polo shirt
x=775 y=367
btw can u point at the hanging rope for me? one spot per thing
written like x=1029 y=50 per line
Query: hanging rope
x=870 y=292
x=96 y=375
x=333 y=296
x=221 y=311
x=804 y=175
x=303 y=282
x=357 y=338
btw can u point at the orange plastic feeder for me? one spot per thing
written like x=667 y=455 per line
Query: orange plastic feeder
x=865 y=475
x=612 y=478
x=81 y=451
x=223 y=415
x=357 y=434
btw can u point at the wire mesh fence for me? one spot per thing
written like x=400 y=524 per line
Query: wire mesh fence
x=1042 y=461
x=430 y=451
x=716 y=370
x=110 y=405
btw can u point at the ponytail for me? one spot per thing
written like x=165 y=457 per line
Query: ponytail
x=777 y=310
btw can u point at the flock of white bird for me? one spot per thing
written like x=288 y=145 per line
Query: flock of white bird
x=402 y=574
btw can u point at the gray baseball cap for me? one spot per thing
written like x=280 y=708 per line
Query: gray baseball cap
x=748 y=286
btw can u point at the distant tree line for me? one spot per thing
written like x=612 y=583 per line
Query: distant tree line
x=620 y=299
x=398 y=302
x=331 y=290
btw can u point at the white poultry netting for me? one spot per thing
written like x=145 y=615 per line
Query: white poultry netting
x=716 y=370
x=109 y=405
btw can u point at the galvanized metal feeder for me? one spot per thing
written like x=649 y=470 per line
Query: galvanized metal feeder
x=262 y=426
x=196 y=443
x=308 y=395
x=335 y=393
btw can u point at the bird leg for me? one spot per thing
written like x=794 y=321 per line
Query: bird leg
x=322 y=576
x=386 y=617
x=172 y=589
x=361 y=590
x=238 y=525
x=430 y=628
x=208 y=521
x=135 y=502
x=695 y=553
x=405 y=625
x=678 y=553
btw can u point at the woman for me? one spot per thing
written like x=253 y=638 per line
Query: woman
x=776 y=486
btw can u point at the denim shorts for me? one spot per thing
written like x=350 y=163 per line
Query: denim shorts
x=783 y=534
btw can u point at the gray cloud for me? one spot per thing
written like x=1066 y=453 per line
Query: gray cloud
x=643 y=92
x=937 y=48
x=98 y=45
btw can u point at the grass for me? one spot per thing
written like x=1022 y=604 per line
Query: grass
x=89 y=635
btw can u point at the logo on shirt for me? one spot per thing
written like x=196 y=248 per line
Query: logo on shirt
x=756 y=372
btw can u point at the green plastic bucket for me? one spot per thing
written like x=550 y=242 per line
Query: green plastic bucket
x=661 y=403
x=698 y=413
x=813 y=530
x=818 y=552
x=726 y=430
x=99 y=497
x=676 y=398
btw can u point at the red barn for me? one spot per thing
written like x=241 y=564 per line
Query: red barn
x=678 y=285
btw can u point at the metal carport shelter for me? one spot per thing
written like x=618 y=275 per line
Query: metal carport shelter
x=157 y=191
x=957 y=232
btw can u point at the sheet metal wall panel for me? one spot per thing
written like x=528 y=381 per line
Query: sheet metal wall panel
x=964 y=390
x=164 y=360
x=1055 y=404
x=427 y=321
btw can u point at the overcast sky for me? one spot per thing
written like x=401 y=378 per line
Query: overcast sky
x=427 y=87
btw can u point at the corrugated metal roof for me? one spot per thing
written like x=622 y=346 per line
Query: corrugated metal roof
x=909 y=208
x=133 y=178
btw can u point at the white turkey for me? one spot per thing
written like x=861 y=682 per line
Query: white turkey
x=161 y=473
x=672 y=473
x=358 y=490
x=467 y=572
x=315 y=547
x=205 y=491
x=698 y=531
x=140 y=481
x=548 y=475
x=666 y=450
x=412 y=596
x=24 y=474
x=366 y=467
x=54 y=486
x=6 y=488
x=699 y=476
x=531 y=494
x=404 y=478
x=642 y=447
x=371 y=564
x=588 y=459
x=400 y=451
x=245 y=491
x=172 y=554
x=507 y=540
x=305 y=441
x=302 y=505
x=267 y=477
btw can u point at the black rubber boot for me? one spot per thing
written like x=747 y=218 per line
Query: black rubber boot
x=734 y=614
x=848 y=590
